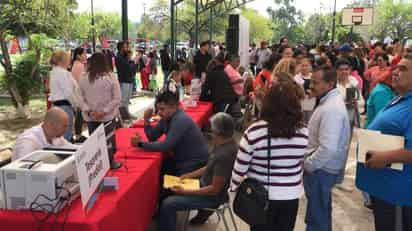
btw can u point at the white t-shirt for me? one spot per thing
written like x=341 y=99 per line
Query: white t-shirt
x=62 y=85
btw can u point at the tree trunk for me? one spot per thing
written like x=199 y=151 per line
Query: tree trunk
x=11 y=84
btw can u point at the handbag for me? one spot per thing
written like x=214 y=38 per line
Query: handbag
x=251 y=203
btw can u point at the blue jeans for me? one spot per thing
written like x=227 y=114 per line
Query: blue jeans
x=68 y=135
x=166 y=74
x=126 y=90
x=172 y=204
x=318 y=189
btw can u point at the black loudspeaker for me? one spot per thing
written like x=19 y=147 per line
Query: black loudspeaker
x=232 y=41
x=234 y=21
x=232 y=34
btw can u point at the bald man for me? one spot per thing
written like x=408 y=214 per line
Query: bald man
x=49 y=133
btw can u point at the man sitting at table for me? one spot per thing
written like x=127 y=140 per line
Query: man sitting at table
x=214 y=178
x=183 y=138
x=49 y=133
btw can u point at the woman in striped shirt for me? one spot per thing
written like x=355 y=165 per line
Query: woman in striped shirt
x=282 y=120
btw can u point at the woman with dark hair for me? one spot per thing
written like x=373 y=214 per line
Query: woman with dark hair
x=263 y=78
x=285 y=51
x=78 y=63
x=100 y=92
x=379 y=71
x=217 y=86
x=78 y=68
x=284 y=41
x=282 y=159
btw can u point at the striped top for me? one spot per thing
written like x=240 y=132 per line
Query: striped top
x=286 y=161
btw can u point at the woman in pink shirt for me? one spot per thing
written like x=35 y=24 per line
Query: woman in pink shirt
x=79 y=60
x=234 y=76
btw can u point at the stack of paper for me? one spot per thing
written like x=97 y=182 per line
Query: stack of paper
x=369 y=140
x=187 y=184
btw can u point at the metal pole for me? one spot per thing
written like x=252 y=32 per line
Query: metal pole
x=196 y=24
x=350 y=35
x=93 y=29
x=172 y=29
x=125 y=29
x=334 y=24
x=211 y=25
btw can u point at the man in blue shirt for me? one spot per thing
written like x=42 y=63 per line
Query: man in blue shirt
x=394 y=188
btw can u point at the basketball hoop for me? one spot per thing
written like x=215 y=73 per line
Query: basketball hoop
x=358 y=16
x=357 y=20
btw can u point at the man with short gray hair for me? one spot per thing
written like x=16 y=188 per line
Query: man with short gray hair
x=214 y=178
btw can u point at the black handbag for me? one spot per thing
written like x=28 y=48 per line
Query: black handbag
x=251 y=203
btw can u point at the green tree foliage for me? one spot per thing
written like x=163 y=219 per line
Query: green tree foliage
x=155 y=24
x=107 y=24
x=260 y=26
x=24 y=18
x=79 y=28
x=393 y=18
x=316 y=28
x=286 y=20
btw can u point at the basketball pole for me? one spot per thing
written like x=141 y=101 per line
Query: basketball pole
x=350 y=35
x=334 y=23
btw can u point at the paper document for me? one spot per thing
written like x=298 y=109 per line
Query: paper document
x=187 y=184
x=369 y=140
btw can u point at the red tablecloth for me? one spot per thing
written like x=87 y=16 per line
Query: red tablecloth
x=130 y=208
x=200 y=114
x=126 y=150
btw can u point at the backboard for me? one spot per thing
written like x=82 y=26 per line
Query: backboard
x=357 y=16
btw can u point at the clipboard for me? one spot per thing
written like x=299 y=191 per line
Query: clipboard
x=370 y=140
x=187 y=184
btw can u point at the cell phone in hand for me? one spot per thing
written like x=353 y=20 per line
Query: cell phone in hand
x=350 y=94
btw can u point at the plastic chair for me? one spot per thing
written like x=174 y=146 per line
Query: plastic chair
x=220 y=212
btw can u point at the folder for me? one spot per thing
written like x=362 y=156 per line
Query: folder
x=187 y=184
x=370 y=140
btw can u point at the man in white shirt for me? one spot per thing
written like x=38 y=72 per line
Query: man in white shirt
x=263 y=54
x=49 y=133
x=329 y=134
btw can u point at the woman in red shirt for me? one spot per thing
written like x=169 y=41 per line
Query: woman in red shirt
x=375 y=73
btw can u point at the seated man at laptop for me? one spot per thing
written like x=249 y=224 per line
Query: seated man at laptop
x=214 y=178
x=49 y=133
x=183 y=138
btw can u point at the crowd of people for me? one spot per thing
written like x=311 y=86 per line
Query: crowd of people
x=296 y=107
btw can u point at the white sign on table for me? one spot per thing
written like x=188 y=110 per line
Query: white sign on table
x=92 y=163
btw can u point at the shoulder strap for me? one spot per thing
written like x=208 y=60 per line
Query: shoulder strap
x=268 y=153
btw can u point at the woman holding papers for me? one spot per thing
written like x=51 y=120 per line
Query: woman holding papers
x=214 y=178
